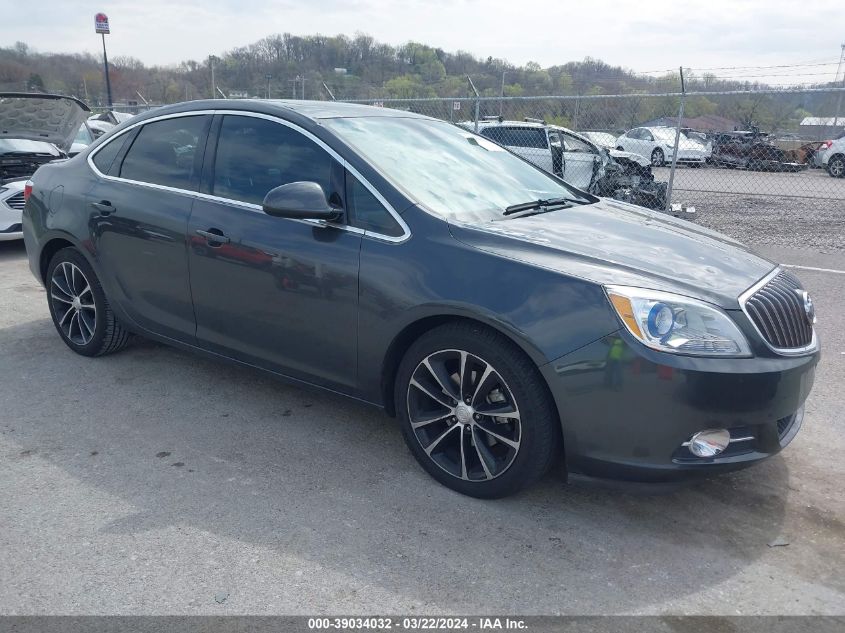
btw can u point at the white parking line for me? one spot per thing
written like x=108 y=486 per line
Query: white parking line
x=820 y=270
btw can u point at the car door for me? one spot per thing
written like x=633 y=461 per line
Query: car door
x=139 y=214
x=274 y=292
x=581 y=161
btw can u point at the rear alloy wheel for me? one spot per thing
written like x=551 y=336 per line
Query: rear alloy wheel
x=475 y=415
x=658 y=159
x=79 y=308
x=836 y=166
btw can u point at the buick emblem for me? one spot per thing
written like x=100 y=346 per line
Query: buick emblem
x=809 y=308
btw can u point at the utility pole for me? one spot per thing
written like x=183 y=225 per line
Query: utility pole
x=293 y=86
x=303 y=87
x=269 y=77
x=331 y=94
x=839 y=100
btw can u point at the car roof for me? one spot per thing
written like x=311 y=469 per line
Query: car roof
x=314 y=110
x=491 y=122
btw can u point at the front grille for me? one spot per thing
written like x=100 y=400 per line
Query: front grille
x=777 y=309
x=16 y=201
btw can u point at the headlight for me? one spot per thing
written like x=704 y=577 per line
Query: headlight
x=677 y=324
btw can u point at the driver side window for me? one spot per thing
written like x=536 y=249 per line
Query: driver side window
x=256 y=155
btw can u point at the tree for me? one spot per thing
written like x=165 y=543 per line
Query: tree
x=35 y=83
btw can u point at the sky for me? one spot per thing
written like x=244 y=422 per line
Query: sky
x=641 y=35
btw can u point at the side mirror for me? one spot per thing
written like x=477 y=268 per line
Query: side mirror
x=303 y=200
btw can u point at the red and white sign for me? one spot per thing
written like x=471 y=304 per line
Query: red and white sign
x=101 y=23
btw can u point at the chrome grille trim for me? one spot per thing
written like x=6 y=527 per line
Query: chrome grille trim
x=777 y=314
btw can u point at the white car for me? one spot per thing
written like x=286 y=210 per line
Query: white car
x=552 y=148
x=833 y=157
x=658 y=145
x=34 y=129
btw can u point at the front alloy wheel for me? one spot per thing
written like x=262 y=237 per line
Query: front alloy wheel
x=475 y=411
x=836 y=167
x=657 y=158
x=464 y=416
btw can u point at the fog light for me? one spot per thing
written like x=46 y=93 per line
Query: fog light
x=709 y=443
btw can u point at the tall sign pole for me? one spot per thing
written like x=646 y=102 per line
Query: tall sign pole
x=101 y=26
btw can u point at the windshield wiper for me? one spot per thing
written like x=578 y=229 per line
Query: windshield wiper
x=557 y=203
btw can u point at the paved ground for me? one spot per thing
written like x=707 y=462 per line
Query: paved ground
x=152 y=481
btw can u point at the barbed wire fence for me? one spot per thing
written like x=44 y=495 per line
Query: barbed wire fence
x=668 y=150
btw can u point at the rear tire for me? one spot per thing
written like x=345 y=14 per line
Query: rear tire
x=836 y=166
x=79 y=308
x=474 y=411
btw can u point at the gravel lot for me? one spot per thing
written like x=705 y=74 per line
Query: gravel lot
x=778 y=218
x=153 y=481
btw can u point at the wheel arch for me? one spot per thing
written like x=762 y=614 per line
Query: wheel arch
x=415 y=329
x=50 y=248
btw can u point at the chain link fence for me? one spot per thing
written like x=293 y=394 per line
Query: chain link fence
x=673 y=151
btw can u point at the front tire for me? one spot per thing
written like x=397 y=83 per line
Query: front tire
x=836 y=166
x=79 y=308
x=474 y=411
x=658 y=159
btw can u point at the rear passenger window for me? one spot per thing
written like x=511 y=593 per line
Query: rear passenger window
x=165 y=153
x=104 y=157
x=256 y=155
x=366 y=212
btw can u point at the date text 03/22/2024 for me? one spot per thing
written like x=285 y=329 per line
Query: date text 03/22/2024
x=417 y=623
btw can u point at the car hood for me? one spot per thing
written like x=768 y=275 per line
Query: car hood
x=612 y=242
x=637 y=158
x=41 y=117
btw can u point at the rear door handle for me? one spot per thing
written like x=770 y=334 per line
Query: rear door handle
x=104 y=207
x=213 y=235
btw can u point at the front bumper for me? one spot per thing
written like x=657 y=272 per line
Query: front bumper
x=628 y=417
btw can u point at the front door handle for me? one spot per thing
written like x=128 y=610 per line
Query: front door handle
x=214 y=235
x=104 y=207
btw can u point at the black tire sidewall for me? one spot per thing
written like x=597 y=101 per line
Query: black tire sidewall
x=540 y=427
x=96 y=344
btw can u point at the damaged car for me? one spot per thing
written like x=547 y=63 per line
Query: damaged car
x=34 y=129
x=611 y=173
x=752 y=150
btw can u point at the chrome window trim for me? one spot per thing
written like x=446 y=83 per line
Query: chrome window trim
x=788 y=351
x=395 y=239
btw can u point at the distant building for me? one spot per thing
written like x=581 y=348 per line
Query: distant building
x=821 y=128
x=339 y=71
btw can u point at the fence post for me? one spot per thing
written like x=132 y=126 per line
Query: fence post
x=575 y=116
x=675 y=150
x=477 y=102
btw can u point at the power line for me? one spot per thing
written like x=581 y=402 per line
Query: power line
x=764 y=67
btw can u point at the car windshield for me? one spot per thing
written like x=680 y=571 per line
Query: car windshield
x=602 y=138
x=664 y=134
x=24 y=146
x=447 y=169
